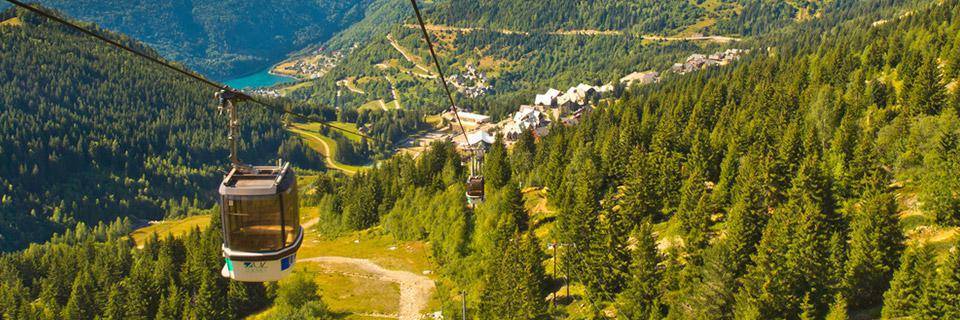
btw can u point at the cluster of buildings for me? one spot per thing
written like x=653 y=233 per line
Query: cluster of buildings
x=574 y=99
x=568 y=106
x=640 y=78
x=698 y=62
x=472 y=84
x=315 y=66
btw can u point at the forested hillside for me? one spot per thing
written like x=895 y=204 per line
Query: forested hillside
x=812 y=180
x=525 y=47
x=90 y=133
x=222 y=39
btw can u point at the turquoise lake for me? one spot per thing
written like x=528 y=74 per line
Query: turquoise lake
x=258 y=80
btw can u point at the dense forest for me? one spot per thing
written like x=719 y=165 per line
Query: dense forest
x=97 y=273
x=646 y=16
x=780 y=187
x=772 y=189
x=89 y=133
x=223 y=39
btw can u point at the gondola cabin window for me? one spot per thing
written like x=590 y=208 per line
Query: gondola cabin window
x=254 y=224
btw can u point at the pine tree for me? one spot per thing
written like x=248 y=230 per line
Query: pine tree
x=949 y=284
x=81 y=304
x=496 y=166
x=875 y=245
x=209 y=302
x=514 y=281
x=641 y=200
x=940 y=180
x=577 y=219
x=926 y=95
x=116 y=303
x=791 y=263
x=910 y=283
x=838 y=310
x=171 y=307
x=640 y=299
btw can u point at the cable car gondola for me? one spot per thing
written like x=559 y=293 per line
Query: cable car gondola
x=474 y=186
x=260 y=211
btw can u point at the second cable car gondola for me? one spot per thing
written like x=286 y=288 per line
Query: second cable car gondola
x=475 y=185
x=260 y=212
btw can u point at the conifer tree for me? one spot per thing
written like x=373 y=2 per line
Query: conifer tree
x=116 y=303
x=171 y=304
x=641 y=200
x=139 y=291
x=522 y=157
x=209 y=302
x=926 y=95
x=838 y=310
x=641 y=297
x=496 y=166
x=949 y=285
x=514 y=281
x=791 y=267
x=81 y=304
x=940 y=180
x=910 y=283
x=875 y=245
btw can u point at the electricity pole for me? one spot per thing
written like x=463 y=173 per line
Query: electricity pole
x=555 y=272
x=463 y=299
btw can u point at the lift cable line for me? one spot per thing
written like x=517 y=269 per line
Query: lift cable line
x=181 y=71
x=475 y=183
x=443 y=80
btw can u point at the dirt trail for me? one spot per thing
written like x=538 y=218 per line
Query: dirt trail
x=415 y=290
x=579 y=32
x=413 y=59
x=326 y=148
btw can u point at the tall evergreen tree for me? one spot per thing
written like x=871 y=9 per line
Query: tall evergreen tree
x=171 y=304
x=496 y=166
x=910 y=283
x=949 y=285
x=926 y=95
x=514 y=281
x=116 y=303
x=940 y=180
x=876 y=241
x=791 y=267
x=641 y=298
x=81 y=304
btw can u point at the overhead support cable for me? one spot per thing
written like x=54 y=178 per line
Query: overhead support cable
x=181 y=71
x=436 y=62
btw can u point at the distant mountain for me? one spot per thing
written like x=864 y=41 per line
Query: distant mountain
x=89 y=133
x=223 y=39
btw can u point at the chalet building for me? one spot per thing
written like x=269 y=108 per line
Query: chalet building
x=547 y=99
x=641 y=78
x=479 y=138
x=468 y=118
x=528 y=118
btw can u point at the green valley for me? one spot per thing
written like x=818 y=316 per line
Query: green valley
x=712 y=159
